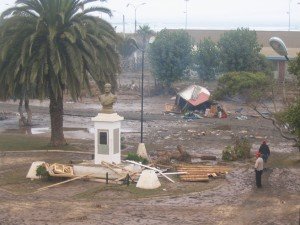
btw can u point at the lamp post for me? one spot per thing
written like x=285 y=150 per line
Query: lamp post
x=123 y=20
x=289 y=12
x=142 y=94
x=143 y=49
x=186 y=13
x=279 y=47
x=135 y=9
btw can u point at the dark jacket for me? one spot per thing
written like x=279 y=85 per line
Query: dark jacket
x=264 y=149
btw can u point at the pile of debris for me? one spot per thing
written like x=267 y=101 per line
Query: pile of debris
x=197 y=172
x=194 y=101
x=59 y=170
x=106 y=172
x=166 y=157
x=145 y=176
x=3 y=115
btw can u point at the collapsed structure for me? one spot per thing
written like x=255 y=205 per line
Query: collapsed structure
x=194 y=101
x=193 y=97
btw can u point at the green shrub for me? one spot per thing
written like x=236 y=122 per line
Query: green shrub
x=42 y=172
x=137 y=158
x=227 y=153
x=241 y=150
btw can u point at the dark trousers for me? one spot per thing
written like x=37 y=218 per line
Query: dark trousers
x=265 y=158
x=258 y=174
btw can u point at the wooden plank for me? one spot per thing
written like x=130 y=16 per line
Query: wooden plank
x=196 y=179
x=114 y=165
x=63 y=182
x=109 y=167
x=194 y=176
x=175 y=173
x=104 y=181
x=198 y=164
x=203 y=170
x=183 y=169
x=196 y=173
x=203 y=167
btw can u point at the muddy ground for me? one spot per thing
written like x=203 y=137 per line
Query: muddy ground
x=233 y=200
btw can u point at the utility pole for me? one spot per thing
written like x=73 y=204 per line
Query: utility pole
x=289 y=12
x=186 y=13
x=124 y=25
x=135 y=9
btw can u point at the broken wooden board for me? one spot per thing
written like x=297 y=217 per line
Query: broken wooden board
x=104 y=181
x=63 y=182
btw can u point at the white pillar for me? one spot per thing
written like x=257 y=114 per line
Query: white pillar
x=107 y=138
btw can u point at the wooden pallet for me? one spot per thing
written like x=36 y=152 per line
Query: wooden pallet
x=197 y=172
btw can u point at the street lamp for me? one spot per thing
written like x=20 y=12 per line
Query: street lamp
x=135 y=8
x=123 y=20
x=279 y=47
x=141 y=147
x=289 y=12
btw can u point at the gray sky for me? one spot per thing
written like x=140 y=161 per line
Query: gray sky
x=208 y=14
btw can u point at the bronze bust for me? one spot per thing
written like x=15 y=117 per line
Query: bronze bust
x=107 y=100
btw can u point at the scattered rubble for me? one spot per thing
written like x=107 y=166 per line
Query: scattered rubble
x=3 y=116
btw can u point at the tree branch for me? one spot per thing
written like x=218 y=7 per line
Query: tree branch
x=275 y=125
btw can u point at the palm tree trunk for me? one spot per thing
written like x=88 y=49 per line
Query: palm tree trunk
x=56 y=117
x=22 y=119
x=28 y=110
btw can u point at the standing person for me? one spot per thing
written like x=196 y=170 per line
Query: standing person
x=259 y=167
x=265 y=150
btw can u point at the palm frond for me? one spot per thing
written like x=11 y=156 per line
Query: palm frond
x=98 y=9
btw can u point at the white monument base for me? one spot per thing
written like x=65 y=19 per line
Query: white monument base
x=107 y=138
x=32 y=171
x=98 y=171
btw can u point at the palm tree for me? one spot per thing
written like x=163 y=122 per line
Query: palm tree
x=145 y=32
x=48 y=46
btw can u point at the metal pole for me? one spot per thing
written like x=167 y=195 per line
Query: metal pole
x=290 y=15
x=135 y=8
x=135 y=19
x=142 y=102
x=123 y=25
x=186 y=13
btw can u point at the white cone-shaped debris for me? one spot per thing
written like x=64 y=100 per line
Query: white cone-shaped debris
x=142 y=151
x=32 y=171
x=148 y=180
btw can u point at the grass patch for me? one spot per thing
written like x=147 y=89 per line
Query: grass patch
x=116 y=191
x=112 y=192
x=15 y=181
x=19 y=142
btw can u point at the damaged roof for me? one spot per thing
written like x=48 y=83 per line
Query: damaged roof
x=195 y=94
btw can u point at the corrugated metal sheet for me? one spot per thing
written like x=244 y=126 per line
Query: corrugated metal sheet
x=195 y=94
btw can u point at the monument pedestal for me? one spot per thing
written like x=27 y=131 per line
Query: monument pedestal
x=107 y=138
